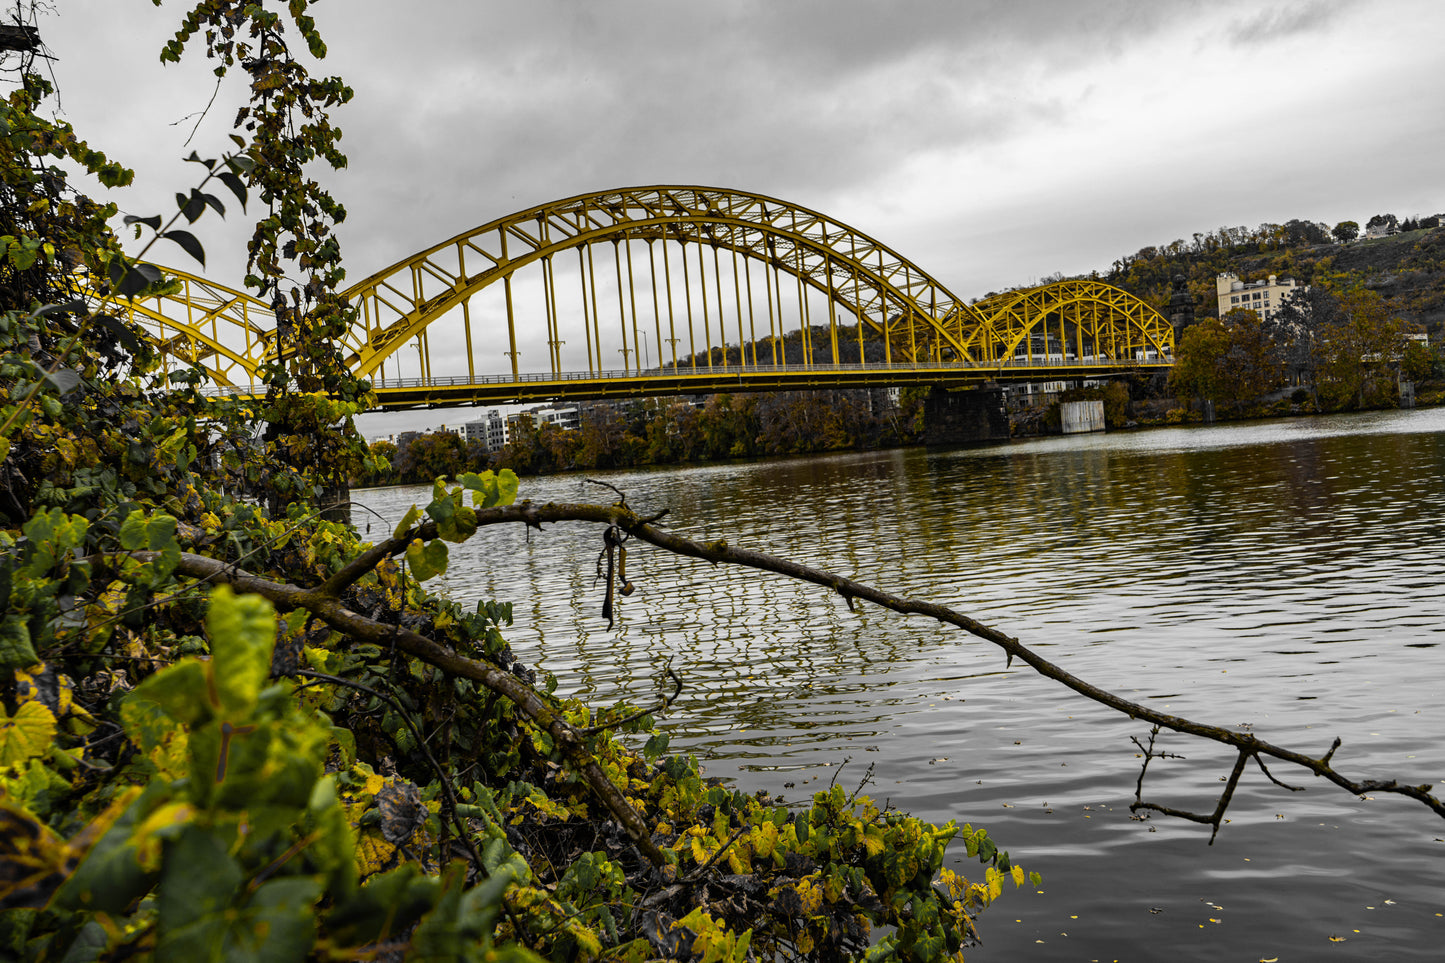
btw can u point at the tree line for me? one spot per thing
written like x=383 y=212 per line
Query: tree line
x=1337 y=344
x=666 y=431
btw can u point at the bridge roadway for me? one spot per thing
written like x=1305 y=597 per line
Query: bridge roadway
x=404 y=393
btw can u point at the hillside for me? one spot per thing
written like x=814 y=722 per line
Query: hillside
x=1406 y=269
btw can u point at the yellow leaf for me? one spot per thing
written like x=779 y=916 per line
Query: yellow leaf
x=30 y=855
x=157 y=827
x=995 y=883
x=27 y=735
x=1018 y=874
x=373 y=853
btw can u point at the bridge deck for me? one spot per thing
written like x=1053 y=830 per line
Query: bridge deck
x=401 y=393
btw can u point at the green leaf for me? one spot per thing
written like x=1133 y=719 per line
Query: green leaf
x=131 y=279
x=53 y=534
x=441 y=507
x=426 y=559
x=242 y=629
x=407 y=521
x=64 y=379
x=387 y=905
x=507 y=484
x=188 y=243
x=27 y=734
x=279 y=925
x=110 y=878
x=133 y=535
x=153 y=222
x=180 y=691
x=461 y=923
x=119 y=331
x=237 y=186
x=16 y=652
x=191 y=207
x=197 y=886
x=455 y=522
x=88 y=946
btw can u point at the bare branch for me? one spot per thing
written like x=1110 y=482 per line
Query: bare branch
x=324 y=602
x=719 y=551
x=650 y=710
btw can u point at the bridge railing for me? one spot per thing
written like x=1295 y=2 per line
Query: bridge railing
x=1050 y=364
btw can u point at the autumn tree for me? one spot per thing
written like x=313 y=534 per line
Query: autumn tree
x=1230 y=361
x=1416 y=361
x=1346 y=231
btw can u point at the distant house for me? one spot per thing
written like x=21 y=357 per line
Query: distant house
x=1382 y=225
x=1261 y=297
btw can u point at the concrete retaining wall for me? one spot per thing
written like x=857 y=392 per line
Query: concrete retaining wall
x=1079 y=417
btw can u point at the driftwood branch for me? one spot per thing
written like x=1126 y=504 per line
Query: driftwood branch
x=325 y=603
x=720 y=552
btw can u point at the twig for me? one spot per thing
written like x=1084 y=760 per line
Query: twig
x=442 y=777
x=665 y=703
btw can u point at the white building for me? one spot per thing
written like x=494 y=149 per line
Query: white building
x=490 y=430
x=1261 y=297
x=568 y=418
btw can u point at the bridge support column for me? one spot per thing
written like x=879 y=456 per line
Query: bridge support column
x=964 y=417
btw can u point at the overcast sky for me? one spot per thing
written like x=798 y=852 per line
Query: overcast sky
x=993 y=143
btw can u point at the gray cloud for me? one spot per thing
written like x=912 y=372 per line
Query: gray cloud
x=1285 y=21
x=990 y=140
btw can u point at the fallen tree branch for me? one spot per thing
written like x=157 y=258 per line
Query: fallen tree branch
x=324 y=602
x=720 y=552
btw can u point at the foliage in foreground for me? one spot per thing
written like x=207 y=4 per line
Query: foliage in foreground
x=188 y=774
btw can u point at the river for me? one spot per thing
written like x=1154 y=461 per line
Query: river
x=1285 y=576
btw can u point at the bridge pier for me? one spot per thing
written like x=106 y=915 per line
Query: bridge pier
x=964 y=417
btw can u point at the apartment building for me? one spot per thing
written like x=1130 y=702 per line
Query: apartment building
x=1261 y=297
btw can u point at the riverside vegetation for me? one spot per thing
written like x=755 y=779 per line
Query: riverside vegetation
x=234 y=731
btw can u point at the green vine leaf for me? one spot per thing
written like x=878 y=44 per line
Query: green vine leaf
x=26 y=734
x=426 y=560
x=188 y=243
x=243 y=633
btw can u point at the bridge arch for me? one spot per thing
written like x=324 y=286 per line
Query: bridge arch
x=228 y=333
x=915 y=315
x=1077 y=320
x=849 y=287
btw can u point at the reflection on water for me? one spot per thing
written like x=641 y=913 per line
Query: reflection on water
x=1285 y=576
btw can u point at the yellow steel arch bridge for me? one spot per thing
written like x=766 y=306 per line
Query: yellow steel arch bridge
x=670 y=290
